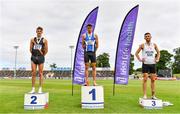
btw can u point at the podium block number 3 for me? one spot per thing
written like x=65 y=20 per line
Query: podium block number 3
x=93 y=92
x=153 y=103
x=33 y=98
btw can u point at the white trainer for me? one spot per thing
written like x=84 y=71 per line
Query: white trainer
x=40 y=90
x=154 y=97
x=32 y=91
x=144 y=97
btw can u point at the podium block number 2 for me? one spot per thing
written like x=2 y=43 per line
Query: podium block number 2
x=33 y=98
x=93 y=92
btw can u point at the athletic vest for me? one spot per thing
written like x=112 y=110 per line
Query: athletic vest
x=148 y=53
x=38 y=45
x=90 y=43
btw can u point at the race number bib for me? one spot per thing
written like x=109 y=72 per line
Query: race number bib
x=149 y=53
x=37 y=47
x=90 y=42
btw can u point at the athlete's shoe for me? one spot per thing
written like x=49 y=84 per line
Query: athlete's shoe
x=95 y=84
x=86 y=83
x=32 y=91
x=153 y=97
x=40 y=90
x=144 y=97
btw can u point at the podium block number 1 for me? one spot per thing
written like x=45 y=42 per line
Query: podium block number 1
x=93 y=92
x=33 y=98
x=92 y=97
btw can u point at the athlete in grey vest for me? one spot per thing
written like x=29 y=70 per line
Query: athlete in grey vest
x=150 y=56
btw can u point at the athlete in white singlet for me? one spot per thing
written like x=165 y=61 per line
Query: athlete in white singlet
x=149 y=60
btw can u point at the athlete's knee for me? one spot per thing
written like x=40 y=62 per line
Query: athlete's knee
x=40 y=73
x=152 y=80
x=145 y=76
x=86 y=66
x=33 y=73
x=145 y=79
x=94 y=67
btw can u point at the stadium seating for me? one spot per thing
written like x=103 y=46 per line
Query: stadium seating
x=58 y=74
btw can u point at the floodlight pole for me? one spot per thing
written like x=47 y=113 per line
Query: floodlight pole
x=71 y=47
x=15 y=47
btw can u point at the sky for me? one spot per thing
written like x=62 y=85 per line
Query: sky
x=62 y=20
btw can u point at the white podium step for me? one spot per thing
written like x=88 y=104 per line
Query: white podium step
x=36 y=101
x=151 y=103
x=92 y=97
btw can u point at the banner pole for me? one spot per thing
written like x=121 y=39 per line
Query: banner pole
x=78 y=58
x=114 y=84
x=72 y=87
x=113 y=89
x=124 y=46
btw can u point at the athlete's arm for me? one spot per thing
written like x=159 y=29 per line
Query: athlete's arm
x=158 y=53
x=137 y=52
x=45 y=47
x=97 y=41
x=31 y=45
x=83 y=41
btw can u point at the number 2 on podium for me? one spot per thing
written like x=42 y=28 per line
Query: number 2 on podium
x=93 y=92
x=34 y=98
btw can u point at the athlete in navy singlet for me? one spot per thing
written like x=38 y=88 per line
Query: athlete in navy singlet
x=38 y=49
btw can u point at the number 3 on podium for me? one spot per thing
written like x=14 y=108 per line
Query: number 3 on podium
x=153 y=103
x=93 y=92
x=34 y=98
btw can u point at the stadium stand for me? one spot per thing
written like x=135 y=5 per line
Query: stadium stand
x=165 y=73
x=57 y=74
x=65 y=72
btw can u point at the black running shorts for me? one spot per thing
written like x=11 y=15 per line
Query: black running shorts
x=148 y=68
x=37 y=59
x=89 y=56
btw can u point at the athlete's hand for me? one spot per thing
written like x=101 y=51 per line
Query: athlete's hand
x=141 y=60
x=84 y=46
x=156 y=60
x=41 y=52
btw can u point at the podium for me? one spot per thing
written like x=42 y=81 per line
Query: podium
x=151 y=103
x=92 y=97
x=35 y=101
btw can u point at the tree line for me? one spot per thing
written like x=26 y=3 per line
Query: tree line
x=167 y=61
